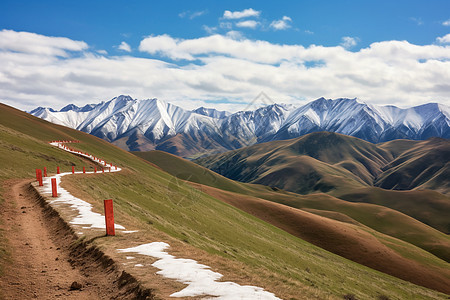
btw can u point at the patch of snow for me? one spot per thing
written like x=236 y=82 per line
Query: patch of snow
x=199 y=278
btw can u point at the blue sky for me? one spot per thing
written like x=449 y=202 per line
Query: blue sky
x=142 y=38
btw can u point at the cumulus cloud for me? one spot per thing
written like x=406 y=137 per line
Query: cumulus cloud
x=349 y=42
x=281 y=24
x=28 y=42
x=444 y=40
x=446 y=23
x=248 y=24
x=249 y=12
x=124 y=47
x=220 y=67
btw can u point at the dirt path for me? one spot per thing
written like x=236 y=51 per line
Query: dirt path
x=39 y=247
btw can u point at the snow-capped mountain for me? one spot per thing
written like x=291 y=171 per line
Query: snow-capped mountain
x=211 y=112
x=154 y=124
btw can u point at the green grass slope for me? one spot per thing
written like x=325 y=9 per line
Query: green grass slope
x=163 y=208
x=427 y=206
x=379 y=217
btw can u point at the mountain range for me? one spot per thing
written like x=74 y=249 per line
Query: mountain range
x=141 y=125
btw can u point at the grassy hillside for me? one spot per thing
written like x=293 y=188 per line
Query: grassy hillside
x=349 y=168
x=380 y=219
x=317 y=162
x=244 y=248
x=427 y=206
x=426 y=165
x=348 y=239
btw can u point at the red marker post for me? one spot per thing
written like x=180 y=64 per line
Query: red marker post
x=37 y=175
x=57 y=170
x=45 y=172
x=95 y=169
x=54 y=190
x=109 y=217
x=40 y=177
x=73 y=170
x=84 y=170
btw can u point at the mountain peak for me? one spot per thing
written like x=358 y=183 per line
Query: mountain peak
x=211 y=112
x=70 y=107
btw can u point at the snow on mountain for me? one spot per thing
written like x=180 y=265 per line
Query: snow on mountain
x=211 y=112
x=145 y=124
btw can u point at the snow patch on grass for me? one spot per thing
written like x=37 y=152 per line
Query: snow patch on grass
x=199 y=278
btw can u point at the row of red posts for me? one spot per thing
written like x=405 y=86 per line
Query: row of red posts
x=65 y=142
x=82 y=153
x=108 y=204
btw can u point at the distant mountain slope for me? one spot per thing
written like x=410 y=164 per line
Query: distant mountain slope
x=350 y=169
x=425 y=165
x=320 y=161
x=140 y=125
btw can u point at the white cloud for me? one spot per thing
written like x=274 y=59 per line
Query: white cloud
x=248 y=24
x=209 y=30
x=28 y=42
x=124 y=46
x=444 y=40
x=282 y=24
x=249 y=12
x=235 y=35
x=446 y=23
x=192 y=15
x=103 y=52
x=349 y=42
x=220 y=67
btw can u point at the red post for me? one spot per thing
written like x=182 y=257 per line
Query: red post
x=73 y=170
x=37 y=174
x=109 y=217
x=95 y=169
x=45 y=172
x=54 y=191
x=103 y=170
x=84 y=170
x=57 y=170
x=40 y=177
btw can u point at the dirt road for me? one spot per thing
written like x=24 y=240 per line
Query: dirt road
x=39 y=247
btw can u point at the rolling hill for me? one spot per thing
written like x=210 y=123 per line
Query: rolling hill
x=350 y=169
x=295 y=215
x=425 y=165
x=239 y=244
x=317 y=162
